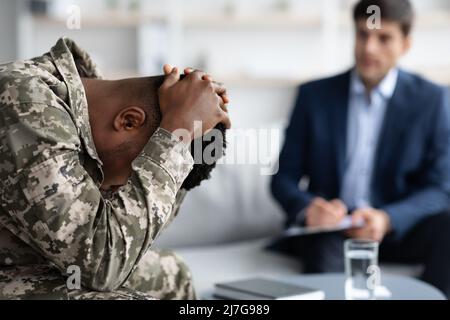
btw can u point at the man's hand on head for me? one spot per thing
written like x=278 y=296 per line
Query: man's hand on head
x=195 y=98
x=322 y=213
x=376 y=224
x=222 y=91
x=220 y=88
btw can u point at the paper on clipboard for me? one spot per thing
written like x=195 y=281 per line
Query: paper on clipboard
x=345 y=224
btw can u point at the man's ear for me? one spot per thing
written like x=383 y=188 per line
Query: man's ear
x=407 y=44
x=130 y=118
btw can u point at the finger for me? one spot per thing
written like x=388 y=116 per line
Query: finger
x=225 y=98
x=339 y=210
x=219 y=88
x=167 y=68
x=188 y=70
x=358 y=221
x=366 y=216
x=321 y=204
x=171 y=78
x=326 y=206
x=225 y=119
x=327 y=216
x=357 y=216
x=197 y=74
x=339 y=204
x=319 y=201
x=221 y=103
x=316 y=203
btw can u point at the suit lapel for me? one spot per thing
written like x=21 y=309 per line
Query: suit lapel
x=394 y=124
x=339 y=118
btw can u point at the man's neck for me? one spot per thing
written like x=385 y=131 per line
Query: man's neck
x=369 y=85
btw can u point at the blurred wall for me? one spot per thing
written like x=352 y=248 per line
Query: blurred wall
x=8 y=33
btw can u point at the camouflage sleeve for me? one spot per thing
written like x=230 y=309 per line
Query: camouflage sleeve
x=176 y=206
x=53 y=204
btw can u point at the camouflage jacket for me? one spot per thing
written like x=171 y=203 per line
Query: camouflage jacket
x=52 y=211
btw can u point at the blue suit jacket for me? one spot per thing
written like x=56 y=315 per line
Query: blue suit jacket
x=411 y=176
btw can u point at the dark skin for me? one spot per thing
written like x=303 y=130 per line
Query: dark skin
x=122 y=122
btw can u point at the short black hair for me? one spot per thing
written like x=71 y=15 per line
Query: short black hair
x=400 y=11
x=202 y=171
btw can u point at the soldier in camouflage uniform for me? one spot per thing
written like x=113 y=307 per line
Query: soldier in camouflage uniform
x=53 y=212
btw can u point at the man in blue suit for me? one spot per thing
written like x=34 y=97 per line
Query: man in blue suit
x=374 y=142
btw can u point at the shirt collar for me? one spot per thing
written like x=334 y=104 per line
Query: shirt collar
x=73 y=63
x=386 y=87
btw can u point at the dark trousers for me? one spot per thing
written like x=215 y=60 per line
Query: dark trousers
x=427 y=244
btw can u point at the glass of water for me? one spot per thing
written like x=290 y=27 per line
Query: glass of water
x=361 y=269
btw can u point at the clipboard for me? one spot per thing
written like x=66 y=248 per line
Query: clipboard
x=345 y=224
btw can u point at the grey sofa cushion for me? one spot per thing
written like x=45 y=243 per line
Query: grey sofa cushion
x=235 y=204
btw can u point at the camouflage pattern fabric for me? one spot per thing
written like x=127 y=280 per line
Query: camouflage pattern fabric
x=176 y=284
x=52 y=213
x=159 y=275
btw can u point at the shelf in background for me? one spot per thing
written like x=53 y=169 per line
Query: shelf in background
x=134 y=19
x=113 y=19
x=118 y=19
x=433 y=19
x=260 y=21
